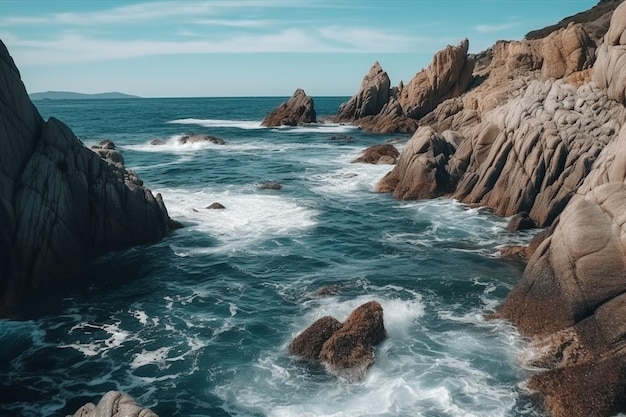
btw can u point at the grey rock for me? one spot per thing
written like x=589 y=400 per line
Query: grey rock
x=114 y=404
x=60 y=203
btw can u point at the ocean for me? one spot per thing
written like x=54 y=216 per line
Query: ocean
x=199 y=324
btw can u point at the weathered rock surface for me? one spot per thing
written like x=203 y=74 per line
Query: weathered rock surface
x=370 y=99
x=346 y=349
x=448 y=76
x=379 y=154
x=60 y=203
x=298 y=110
x=308 y=344
x=114 y=404
x=422 y=170
x=378 y=108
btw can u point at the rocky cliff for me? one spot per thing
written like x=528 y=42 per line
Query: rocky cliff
x=541 y=130
x=61 y=204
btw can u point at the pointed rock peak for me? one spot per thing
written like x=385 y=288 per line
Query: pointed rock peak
x=464 y=45
x=376 y=68
x=299 y=93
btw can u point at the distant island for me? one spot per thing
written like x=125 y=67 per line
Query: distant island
x=68 y=95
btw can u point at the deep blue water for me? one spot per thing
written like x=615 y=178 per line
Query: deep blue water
x=199 y=324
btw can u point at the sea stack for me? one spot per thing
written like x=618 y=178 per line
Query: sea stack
x=298 y=110
x=61 y=204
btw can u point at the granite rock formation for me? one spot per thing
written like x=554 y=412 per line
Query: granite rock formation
x=61 y=204
x=114 y=404
x=540 y=135
x=298 y=110
x=345 y=349
x=378 y=108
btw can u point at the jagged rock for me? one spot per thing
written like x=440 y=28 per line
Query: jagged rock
x=448 y=76
x=345 y=349
x=198 y=138
x=351 y=347
x=298 y=110
x=60 y=203
x=421 y=171
x=308 y=344
x=114 y=404
x=215 y=206
x=370 y=99
x=379 y=154
x=157 y=142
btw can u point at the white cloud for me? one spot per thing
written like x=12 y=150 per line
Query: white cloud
x=495 y=27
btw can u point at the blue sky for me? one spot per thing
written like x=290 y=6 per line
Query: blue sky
x=249 y=47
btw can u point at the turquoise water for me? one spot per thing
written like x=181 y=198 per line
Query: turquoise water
x=199 y=324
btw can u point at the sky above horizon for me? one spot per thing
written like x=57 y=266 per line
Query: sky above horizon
x=224 y=48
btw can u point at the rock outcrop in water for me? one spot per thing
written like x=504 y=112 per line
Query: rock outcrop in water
x=114 y=404
x=298 y=110
x=61 y=204
x=346 y=349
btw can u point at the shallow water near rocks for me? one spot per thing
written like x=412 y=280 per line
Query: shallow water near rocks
x=199 y=324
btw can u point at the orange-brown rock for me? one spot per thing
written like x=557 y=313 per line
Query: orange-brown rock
x=370 y=99
x=298 y=110
x=308 y=344
x=448 y=76
x=379 y=154
x=421 y=171
x=345 y=349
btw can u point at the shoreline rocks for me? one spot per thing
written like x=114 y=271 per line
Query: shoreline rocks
x=61 y=204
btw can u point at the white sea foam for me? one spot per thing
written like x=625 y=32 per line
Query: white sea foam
x=240 y=124
x=325 y=128
x=348 y=179
x=247 y=218
x=158 y=357
x=98 y=345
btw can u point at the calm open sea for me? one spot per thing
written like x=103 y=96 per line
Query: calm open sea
x=199 y=324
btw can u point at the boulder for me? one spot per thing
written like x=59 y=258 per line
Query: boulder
x=379 y=154
x=567 y=51
x=198 y=138
x=298 y=110
x=351 y=347
x=308 y=344
x=114 y=404
x=215 y=206
x=421 y=171
x=521 y=221
x=60 y=203
x=346 y=349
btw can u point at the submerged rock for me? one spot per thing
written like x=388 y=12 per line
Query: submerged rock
x=215 y=206
x=199 y=138
x=298 y=110
x=270 y=185
x=114 y=404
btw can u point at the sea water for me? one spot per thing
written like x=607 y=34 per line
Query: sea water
x=199 y=324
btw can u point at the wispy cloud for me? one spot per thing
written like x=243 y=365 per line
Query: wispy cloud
x=492 y=28
x=249 y=23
